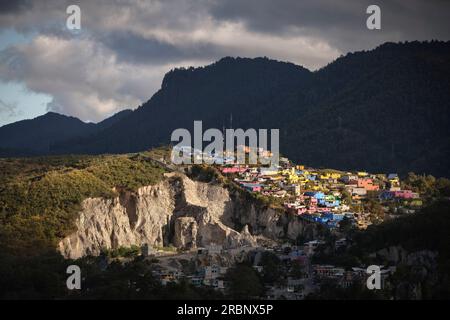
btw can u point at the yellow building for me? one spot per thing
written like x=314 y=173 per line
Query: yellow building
x=290 y=171
x=325 y=176
x=335 y=175
x=394 y=182
x=330 y=175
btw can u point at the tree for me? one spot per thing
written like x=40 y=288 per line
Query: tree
x=345 y=225
x=297 y=270
x=346 y=197
x=271 y=267
x=443 y=186
x=244 y=282
x=375 y=208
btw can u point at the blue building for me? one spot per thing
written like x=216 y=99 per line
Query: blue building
x=318 y=195
x=334 y=216
x=329 y=203
x=386 y=195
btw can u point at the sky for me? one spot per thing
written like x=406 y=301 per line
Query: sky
x=119 y=57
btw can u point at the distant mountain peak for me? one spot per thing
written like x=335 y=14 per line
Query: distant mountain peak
x=53 y=114
x=231 y=65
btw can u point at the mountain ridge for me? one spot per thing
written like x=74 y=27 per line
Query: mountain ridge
x=38 y=136
x=385 y=109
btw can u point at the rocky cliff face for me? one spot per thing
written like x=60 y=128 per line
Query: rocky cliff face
x=419 y=271
x=177 y=211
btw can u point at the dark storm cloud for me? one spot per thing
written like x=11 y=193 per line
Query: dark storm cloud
x=14 y=6
x=132 y=47
x=341 y=23
x=279 y=16
x=125 y=47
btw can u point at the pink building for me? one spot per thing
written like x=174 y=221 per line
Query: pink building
x=234 y=169
x=311 y=201
x=252 y=187
x=404 y=194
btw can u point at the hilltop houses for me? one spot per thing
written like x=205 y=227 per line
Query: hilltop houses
x=332 y=199
x=321 y=196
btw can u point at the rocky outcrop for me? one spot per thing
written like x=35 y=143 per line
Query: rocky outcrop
x=176 y=211
x=419 y=271
x=398 y=255
x=185 y=233
x=129 y=219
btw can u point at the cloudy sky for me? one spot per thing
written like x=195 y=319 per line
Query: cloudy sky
x=124 y=48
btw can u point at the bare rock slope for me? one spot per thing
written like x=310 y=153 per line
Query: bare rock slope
x=176 y=211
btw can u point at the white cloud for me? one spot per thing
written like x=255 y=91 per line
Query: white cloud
x=84 y=78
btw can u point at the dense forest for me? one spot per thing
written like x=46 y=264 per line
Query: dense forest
x=381 y=110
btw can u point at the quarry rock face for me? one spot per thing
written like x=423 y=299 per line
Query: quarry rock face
x=185 y=236
x=130 y=219
x=177 y=211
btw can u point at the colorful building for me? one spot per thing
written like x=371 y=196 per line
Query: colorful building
x=367 y=184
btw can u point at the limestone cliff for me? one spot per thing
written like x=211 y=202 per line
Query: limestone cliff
x=176 y=211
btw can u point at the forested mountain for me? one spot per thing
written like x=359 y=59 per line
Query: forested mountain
x=249 y=90
x=38 y=136
x=382 y=110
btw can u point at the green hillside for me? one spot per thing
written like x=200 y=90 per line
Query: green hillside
x=39 y=197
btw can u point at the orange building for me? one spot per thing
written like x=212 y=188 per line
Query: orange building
x=367 y=184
